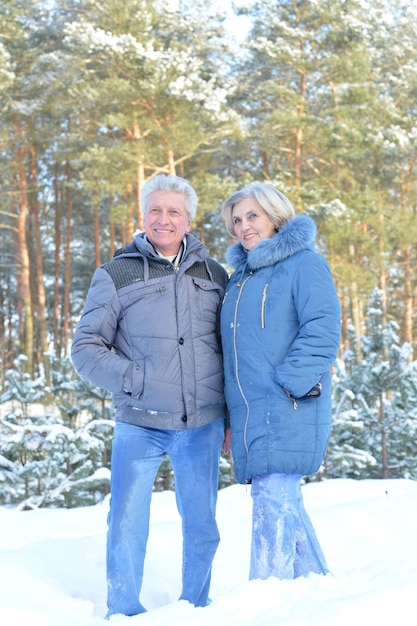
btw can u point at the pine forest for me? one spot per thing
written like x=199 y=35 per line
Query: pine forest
x=317 y=97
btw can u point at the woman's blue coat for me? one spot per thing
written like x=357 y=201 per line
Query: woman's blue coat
x=280 y=324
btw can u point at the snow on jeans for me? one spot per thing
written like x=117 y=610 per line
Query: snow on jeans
x=136 y=456
x=284 y=543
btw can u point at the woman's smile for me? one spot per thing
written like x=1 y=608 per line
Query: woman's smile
x=251 y=223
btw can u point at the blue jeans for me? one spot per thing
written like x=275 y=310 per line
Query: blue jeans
x=136 y=456
x=284 y=543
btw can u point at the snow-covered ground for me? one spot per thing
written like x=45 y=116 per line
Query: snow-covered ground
x=52 y=564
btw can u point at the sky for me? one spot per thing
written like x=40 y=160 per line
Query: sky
x=236 y=25
x=52 y=564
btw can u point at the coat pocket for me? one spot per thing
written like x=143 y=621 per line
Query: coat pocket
x=207 y=299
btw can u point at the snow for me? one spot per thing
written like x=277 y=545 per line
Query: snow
x=52 y=563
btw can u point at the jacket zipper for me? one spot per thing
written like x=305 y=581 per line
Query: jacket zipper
x=241 y=286
x=263 y=305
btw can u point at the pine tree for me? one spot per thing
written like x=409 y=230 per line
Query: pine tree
x=55 y=455
x=375 y=426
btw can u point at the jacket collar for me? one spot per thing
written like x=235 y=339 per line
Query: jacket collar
x=175 y=258
x=191 y=245
x=296 y=234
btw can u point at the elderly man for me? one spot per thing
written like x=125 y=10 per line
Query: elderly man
x=149 y=334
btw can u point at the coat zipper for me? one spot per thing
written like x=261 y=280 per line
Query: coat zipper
x=241 y=286
x=263 y=305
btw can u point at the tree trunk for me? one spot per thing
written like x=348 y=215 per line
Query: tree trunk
x=97 y=253
x=67 y=262
x=171 y=162
x=384 y=454
x=140 y=180
x=57 y=238
x=355 y=302
x=28 y=343
x=299 y=134
x=112 y=245
x=18 y=263
x=408 y=298
x=41 y=308
x=382 y=270
x=112 y=249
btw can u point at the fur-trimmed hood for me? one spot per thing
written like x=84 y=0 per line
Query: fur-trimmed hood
x=296 y=234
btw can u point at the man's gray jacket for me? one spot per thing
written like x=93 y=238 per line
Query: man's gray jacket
x=149 y=334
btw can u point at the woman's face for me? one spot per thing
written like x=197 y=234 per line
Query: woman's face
x=251 y=224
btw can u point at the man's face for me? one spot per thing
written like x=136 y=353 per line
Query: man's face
x=166 y=221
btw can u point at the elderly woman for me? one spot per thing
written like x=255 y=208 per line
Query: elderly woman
x=280 y=324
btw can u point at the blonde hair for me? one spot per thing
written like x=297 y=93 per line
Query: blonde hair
x=275 y=204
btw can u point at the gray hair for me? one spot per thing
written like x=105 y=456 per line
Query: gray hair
x=164 y=182
x=277 y=206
